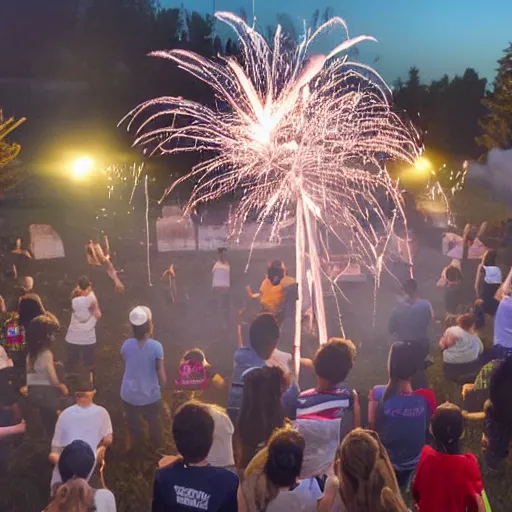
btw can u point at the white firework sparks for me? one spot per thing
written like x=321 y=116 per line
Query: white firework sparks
x=298 y=131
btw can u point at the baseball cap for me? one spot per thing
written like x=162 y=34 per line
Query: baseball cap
x=76 y=460
x=140 y=315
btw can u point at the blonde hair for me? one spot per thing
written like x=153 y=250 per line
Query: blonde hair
x=74 y=496
x=367 y=479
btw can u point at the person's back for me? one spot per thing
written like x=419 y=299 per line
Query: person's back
x=466 y=346
x=410 y=320
x=503 y=324
x=191 y=483
x=140 y=384
x=402 y=422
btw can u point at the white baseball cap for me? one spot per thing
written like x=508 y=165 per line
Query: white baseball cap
x=140 y=315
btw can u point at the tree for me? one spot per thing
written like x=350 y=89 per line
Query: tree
x=497 y=123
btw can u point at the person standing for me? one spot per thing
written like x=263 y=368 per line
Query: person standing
x=487 y=282
x=502 y=344
x=409 y=323
x=81 y=335
x=221 y=282
x=144 y=373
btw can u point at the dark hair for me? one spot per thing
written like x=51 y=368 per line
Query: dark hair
x=466 y=321
x=76 y=460
x=453 y=274
x=192 y=430
x=285 y=455
x=81 y=382
x=29 y=306
x=261 y=411
x=275 y=272
x=450 y=320
x=401 y=366
x=334 y=360
x=264 y=335
x=447 y=427
x=499 y=393
x=489 y=258
x=195 y=355
x=84 y=283
x=410 y=287
x=39 y=334
x=141 y=331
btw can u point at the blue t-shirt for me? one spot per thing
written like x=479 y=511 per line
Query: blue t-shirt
x=140 y=384
x=503 y=323
x=402 y=422
x=181 y=488
x=410 y=320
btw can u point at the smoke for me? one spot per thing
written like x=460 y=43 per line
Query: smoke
x=495 y=172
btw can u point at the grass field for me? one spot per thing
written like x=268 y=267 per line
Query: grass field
x=192 y=323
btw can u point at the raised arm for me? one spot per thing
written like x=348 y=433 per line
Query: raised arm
x=478 y=280
x=505 y=287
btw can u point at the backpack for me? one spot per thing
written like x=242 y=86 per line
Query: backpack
x=192 y=375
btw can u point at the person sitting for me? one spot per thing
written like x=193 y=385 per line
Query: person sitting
x=462 y=349
x=190 y=482
x=475 y=394
x=364 y=479
x=445 y=478
x=44 y=388
x=497 y=434
x=409 y=323
x=85 y=421
x=487 y=282
x=195 y=372
x=327 y=412
x=272 y=482
x=77 y=461
x=263 y=339
x=400 y=415
x=260 y=414
x=221 y=452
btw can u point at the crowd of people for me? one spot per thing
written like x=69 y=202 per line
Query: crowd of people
x=276 y=447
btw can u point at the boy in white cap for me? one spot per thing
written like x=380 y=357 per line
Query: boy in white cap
x=144 y=373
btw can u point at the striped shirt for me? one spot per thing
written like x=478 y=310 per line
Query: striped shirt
x=324 y=405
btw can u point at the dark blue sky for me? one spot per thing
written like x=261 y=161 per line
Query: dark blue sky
x=438 y=36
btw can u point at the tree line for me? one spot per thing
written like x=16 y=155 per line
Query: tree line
x=106 y=42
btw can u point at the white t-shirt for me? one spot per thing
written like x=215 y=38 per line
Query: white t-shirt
x=304 y=498
x=492 y=275
x=467 y=348
x=221 y=275
x=104 y=501
x=38 y=374
x=281 y=359
x=90 y=424
x=221 y=452
x=82 y=328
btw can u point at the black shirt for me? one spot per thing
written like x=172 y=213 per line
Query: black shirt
x=181 y=488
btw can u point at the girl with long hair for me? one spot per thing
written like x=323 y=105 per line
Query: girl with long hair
x=260 y=414
x=487 y=281
x=447 y=479
x=365 y=480
x=271 y=482
x=400 y=414
x=43 y=385
x=74 y=496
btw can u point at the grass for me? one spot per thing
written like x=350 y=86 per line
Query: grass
x=191 y=323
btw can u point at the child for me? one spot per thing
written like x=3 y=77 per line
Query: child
x=446 y=479
x=195 y=371
x=487 y=282
x=221 y=282
x=450 y=280
x=331 y=409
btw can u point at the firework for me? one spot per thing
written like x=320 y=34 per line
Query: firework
x=299 y=132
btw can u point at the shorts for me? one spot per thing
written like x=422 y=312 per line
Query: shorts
x=80 y=353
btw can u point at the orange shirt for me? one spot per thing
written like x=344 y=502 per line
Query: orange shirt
x=272 y=297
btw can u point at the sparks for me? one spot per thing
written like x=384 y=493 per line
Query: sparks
x=297 y=131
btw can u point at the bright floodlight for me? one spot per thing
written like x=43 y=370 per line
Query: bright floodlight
x=82 y=167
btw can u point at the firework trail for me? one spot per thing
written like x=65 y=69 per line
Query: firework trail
x=299 y=132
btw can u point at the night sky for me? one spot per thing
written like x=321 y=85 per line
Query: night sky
x=438 y=36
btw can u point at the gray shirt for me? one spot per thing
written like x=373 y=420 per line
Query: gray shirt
x=410 y=320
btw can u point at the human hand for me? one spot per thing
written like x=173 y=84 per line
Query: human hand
x=20 y=427
x=100 y=453
x=24 y=391
x=63 y=389
x=467 y=388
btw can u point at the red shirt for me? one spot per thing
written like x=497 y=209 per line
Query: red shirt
x=447 y=483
